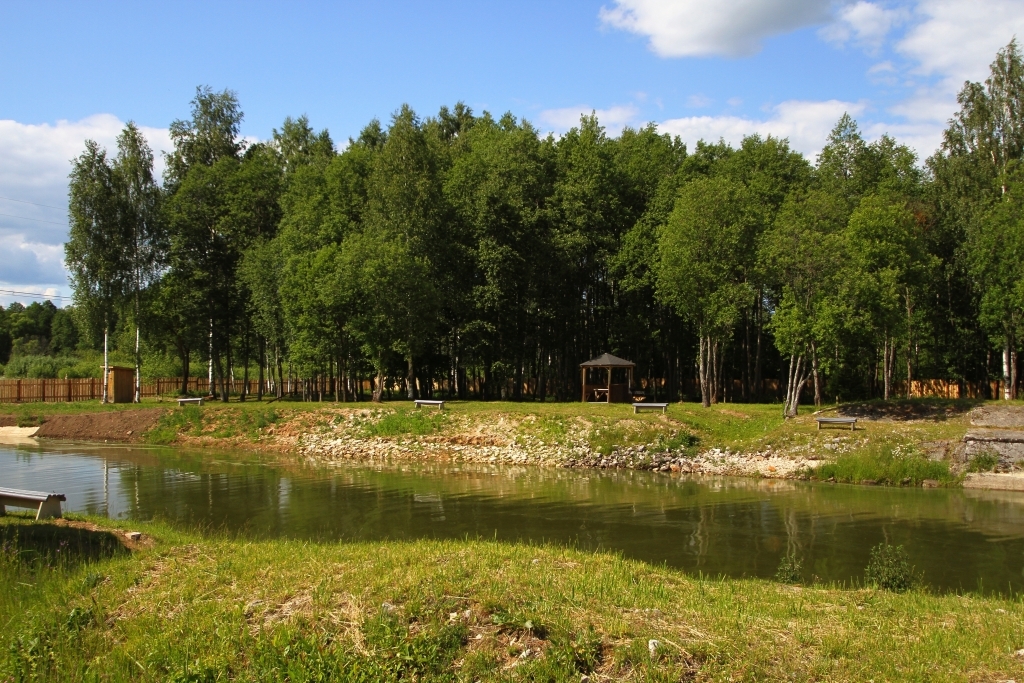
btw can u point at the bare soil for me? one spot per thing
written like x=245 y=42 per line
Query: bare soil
x=123 y=425
x=8 y=421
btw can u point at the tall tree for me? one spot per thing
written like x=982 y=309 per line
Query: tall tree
x=802 y=259
x=700 y=274
x=138 y=204
x=95 y=252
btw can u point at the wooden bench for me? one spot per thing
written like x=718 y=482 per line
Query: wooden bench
x=637 y=407
x=184 y=401
x=47 y=505
x=422 y=402
x=852 y=421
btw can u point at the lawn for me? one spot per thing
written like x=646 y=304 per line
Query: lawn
x=188 y=607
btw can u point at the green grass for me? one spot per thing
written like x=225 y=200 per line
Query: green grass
x=983 y=462
x=405 y=421
x=886 y=464
x=208 y=608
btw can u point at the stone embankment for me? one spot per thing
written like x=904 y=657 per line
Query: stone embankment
x=329 y=449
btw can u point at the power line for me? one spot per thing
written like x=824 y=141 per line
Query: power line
x=38 y=220
x=22 y=201
x=35 y=295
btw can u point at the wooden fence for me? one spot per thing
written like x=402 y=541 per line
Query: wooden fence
x=64 y=390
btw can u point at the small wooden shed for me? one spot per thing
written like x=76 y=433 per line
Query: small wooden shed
x=121 y=384
x=614 y=385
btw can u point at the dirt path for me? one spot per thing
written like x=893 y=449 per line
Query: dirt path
x=123 y=425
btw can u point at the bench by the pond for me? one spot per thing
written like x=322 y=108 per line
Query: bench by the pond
x=637 y=407
x=852 y=421
x=46 y=504
x=422 y=402
x=188 y=401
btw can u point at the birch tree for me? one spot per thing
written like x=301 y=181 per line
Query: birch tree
x=138 y=203
x=94 y=253
x=701 y=248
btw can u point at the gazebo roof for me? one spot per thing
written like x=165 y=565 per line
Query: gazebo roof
x=607 y=360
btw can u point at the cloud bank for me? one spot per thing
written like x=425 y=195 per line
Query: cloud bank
x=697 y=28
x=35 y=161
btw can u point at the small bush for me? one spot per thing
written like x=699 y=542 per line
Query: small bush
x=983 y=462
x=789 y=570
x=889 y=569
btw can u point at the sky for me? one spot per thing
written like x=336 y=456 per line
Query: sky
x=72 y=71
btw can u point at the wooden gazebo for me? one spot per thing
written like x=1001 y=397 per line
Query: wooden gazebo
x=610 y=391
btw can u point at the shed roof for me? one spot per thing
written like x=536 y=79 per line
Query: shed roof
x=607 y=360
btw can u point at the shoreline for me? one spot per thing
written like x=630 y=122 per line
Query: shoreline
x=746 y=440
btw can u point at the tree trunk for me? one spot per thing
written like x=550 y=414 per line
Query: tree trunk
x=261 y=350
x=795 y=382
x=138 y=363
x=702 y=370
x=1007 y=371
x=410 y=379
x=279 y=389
x=816 y=375
x=106 y=359
x=910 y=341
x=185 y=369
x=887 y=355
x=378 y=387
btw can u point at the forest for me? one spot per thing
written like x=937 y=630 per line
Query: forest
x=470 y=256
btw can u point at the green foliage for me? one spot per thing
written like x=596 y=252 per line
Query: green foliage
x=406 y=421
x=790 y=570
x=983 y=462
x=48 y=367
x=187 y=419
x=885 y=464
x=889 y=569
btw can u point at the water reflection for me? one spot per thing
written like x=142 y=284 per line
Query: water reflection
x=738 y=527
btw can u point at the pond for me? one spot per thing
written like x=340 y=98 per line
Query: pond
x=960 y=539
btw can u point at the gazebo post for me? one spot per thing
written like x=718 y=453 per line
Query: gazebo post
x=583 y=384
x=609 y=398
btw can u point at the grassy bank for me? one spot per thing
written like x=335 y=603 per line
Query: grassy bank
x=183 y=607
x=896 y=443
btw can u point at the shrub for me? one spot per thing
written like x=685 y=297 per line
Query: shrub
x=889 y=569
x=983 y=462
x=789 y=570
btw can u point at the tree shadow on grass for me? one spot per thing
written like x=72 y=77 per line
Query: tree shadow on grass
x=57 y=545
x=935 y=409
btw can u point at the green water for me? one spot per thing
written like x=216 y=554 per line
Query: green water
x=960 y=540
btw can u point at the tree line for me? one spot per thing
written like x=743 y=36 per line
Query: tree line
x=471 y=255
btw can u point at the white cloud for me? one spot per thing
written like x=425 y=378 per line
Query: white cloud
x=865 y=23
x=614 y=119
x=696 y=28
x=698 y=101
x=805 y=124
x=952 y=41
x=35 y=160
x=957 y=40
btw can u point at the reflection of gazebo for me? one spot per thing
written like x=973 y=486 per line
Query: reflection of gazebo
x=609 y=390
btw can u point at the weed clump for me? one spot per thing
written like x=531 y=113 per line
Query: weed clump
x=889 y=569
x=983 y=462
x=790 y=570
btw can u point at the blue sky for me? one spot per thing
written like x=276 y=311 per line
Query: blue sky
x=698 y=68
